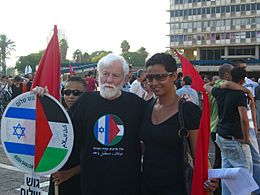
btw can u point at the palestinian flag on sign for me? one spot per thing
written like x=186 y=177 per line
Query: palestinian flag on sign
x=37 y=133
x=109 y=130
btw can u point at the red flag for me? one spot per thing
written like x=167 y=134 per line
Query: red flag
x=71 y=71
x=200 y=173
x=48 y=72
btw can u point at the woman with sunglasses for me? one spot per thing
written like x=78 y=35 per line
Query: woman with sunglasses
x=162 y=164
x=68 y=178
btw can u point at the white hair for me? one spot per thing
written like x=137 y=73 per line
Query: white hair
x=109 y=59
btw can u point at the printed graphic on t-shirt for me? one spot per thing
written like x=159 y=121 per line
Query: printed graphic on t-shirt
x=109 y=130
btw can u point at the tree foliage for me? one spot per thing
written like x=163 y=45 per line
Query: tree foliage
x=97 y=55
x=134 y=58
x=142 y=51
x=31 y=59
x=86 y=57
x=63 y=50
x=125 y=46
x=6 y=47
x=77 y=56
x=11 y=71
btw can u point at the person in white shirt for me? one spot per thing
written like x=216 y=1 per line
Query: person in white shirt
x=126 y=87
x=187 y=92
x=136 y=86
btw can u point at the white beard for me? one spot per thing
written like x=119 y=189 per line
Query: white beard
x=110 y=92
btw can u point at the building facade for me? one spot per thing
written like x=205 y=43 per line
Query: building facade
x=215 y=29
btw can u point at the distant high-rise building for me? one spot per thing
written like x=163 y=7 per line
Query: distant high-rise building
x=215 y=29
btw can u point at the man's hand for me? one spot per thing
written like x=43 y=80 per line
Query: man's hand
x=40 y=91
x=208 y=87
x=211 y=184
x=250 y=96
x=61 y=176
x=244 y=141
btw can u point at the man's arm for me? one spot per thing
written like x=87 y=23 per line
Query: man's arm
x=63 y=175
x=233 y=86
x=244 y=123
x=193 y=138
x=253 y=112
x=208 y=87
x=25 y=80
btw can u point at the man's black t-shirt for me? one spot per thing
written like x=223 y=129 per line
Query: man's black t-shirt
x=110 y=156
x=16 y=90
x=29 y=85
x=228 y=102
x=162 y=165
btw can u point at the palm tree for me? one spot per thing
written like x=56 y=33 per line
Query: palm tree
x=125 y=46
x=77 y=56
x=63 y=50
x=85 y=57
x=142 y=51
x=6 y=46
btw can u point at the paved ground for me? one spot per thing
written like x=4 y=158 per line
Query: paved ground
x=11 y=178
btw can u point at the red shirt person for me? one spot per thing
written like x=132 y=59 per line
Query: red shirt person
x=91 y=82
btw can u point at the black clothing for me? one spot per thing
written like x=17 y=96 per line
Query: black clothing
x=69 y=187
x=178 y=83
x=29 y=85
x=150 y=189
x=228 y=102
x=162 y=165
x=16 y=90
x=110 y=156
x=257 y=92
x=72 y=185
x=217 y=157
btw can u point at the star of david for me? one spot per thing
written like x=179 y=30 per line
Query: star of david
x=20 y=132
x=101 y=129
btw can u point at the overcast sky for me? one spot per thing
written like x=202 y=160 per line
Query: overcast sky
x=88 y=25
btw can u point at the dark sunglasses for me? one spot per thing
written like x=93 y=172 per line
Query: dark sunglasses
x=158 y=77
x=75 y=92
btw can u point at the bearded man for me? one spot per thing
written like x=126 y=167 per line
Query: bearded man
x=107 y=123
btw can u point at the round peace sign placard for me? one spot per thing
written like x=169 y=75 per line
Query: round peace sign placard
x=36 y=133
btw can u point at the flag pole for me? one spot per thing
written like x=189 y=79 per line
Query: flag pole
x=56 y=189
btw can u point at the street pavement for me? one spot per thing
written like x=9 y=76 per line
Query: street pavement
x=11 y=178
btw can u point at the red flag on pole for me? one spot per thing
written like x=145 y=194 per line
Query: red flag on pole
x=71 y=71
x=48 y=72
x=200 y=173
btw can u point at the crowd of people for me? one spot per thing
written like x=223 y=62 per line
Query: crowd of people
x=126 y=131
x=11 y=87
